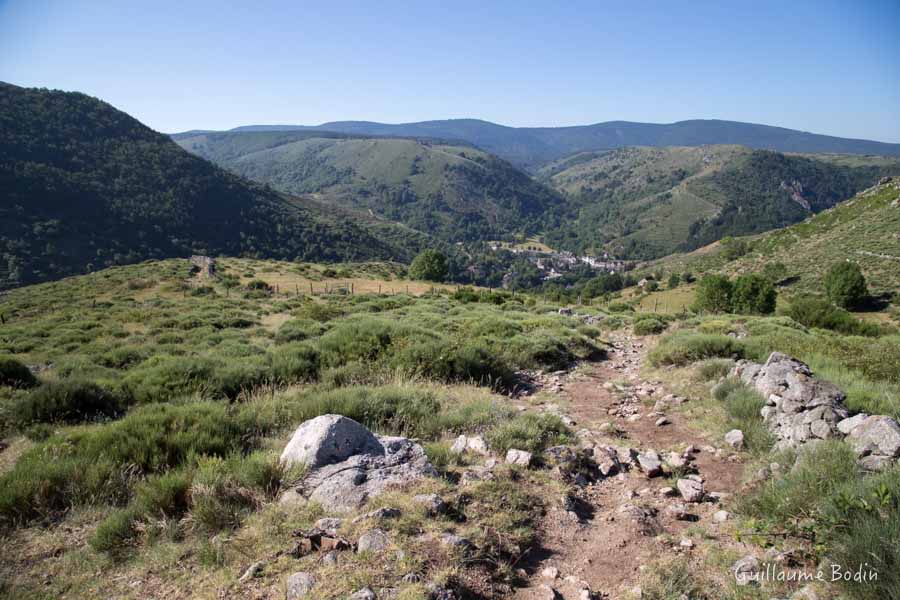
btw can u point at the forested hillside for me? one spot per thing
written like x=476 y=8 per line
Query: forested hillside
x=864 y=229
x=84 y=186
x=454 y=191
x=648 y=202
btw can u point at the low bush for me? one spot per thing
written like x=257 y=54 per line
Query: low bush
x=812 y=311
x=743 y=407
x=685 y=348
x=67 y=401
x=15 y=374
x=854 y=519
x=531 y=432
x=649 y=327
x=224 y=490
x=714 y=368
x=295 y=362
x=394 y=409
x=101 y=463
x=297 y=330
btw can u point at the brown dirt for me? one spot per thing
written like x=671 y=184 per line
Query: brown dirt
x=606 y=549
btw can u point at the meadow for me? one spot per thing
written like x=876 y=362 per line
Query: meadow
x=161 y=400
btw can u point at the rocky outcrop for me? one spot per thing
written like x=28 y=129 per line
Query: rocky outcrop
x=348 y=464
x=801 y=408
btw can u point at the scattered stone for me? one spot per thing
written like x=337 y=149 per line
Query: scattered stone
x=329 y=439
x=432 y=503
x=677 y=461
x=547 y=593
x=720 y=516
x=475 y=444
x=686 y=543
x=690 y=489
x=328 y=525
x=662 y=421
x=876 y=435
x=254 y=570
x=411 y=578
x=438 y=592
x=667 y=491
x=374 y=540
x=650 y=463
x=330 y=558
x=299 y=586
x=378 y=514
x=680 y=512
x=550 y=573
x=519 y=457
x=735 y=439
x=363 y=594
x=745 y=570
x=850 y=423
x=451 y=540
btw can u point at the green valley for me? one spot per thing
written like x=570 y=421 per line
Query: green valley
x=456 y=192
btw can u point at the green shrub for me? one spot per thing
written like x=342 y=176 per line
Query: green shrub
x=674 y=281
x=713 y=294
x=818 y=472
x=15 y=374
x=296 y=362
x=164 y=378
x=743 y=407
x=714 y=368
x=98 y=464
x=753 y=295
x=225 y=490
x=67 y=401
x=649 y=327
x=116 y=531
x=163 y=497
x=297 y=330
x=531 y=432
x=258 y=285
x=861 y=522
x=429 y=265
x=391 y=409
x=440 y=360
x=685 y=348
x=820 y=313
x=846 y=285
x=364 y=339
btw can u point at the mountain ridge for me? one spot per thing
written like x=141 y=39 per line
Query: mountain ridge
x=531 y=147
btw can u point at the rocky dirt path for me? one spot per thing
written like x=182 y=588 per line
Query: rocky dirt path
x=627 y=519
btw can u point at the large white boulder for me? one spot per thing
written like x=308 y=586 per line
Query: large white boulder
x=327 y=440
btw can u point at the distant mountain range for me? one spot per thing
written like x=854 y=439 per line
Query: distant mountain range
x=531 y=147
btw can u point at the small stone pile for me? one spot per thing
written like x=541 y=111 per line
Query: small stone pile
x=800 y=408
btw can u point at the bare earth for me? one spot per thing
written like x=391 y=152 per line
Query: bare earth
x=604 y=549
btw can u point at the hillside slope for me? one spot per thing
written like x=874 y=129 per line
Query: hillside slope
x=532 y=147
x=864 y=229
x=648 y=202
x=83 y=186
x=456 y=192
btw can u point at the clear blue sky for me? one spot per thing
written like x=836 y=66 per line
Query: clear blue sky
x=822 y=66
